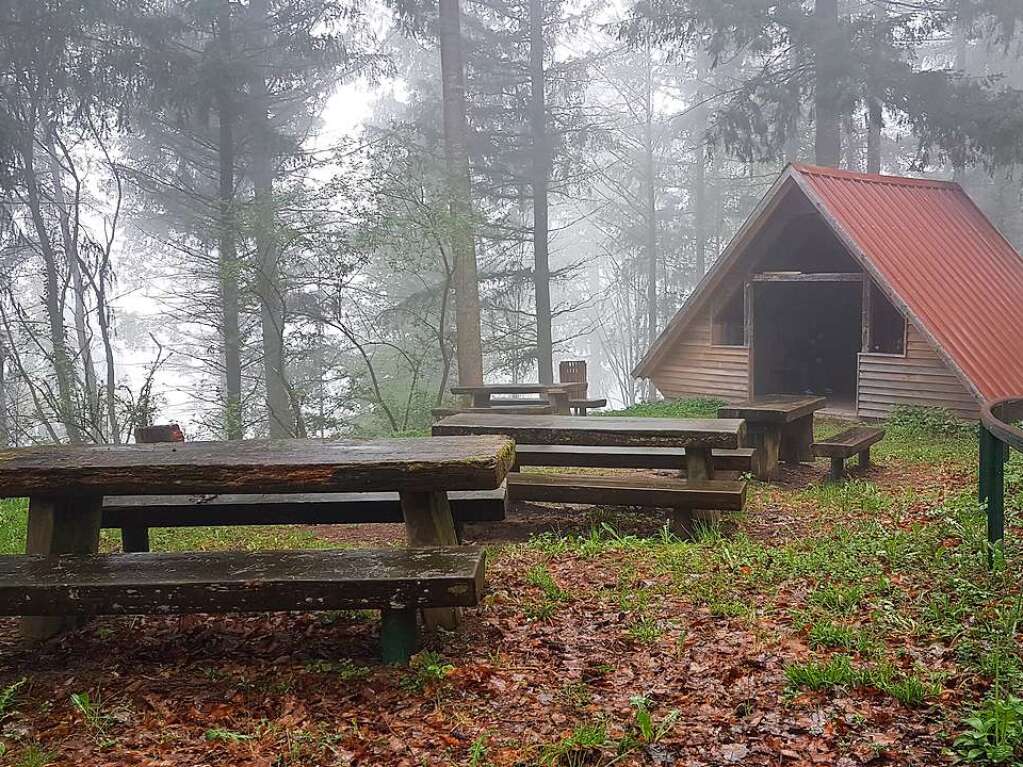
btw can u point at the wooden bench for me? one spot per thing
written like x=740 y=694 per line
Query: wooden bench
x=681 y=496
x=135 y=514
x=530 y=409
x=396 y=581
x=854 y=441
x=582 y=406
x=616 y=457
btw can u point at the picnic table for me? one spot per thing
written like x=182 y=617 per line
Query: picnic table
x=700 y=494
x=66 y=486
x=558 y=395
x=779 y=426
x=698 y=436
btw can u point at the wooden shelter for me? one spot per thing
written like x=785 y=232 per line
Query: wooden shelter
x=873 y=291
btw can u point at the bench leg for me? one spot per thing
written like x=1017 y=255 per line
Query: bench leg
x=398 y=635
x=837 y=469
x=680 y=524
x=863 y=459
x=135 y=539
x=60 y=525
x=428 y=522
x=765 y=439
x=797 y=441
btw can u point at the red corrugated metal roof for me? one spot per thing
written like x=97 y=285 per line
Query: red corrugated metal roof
x=930 y=245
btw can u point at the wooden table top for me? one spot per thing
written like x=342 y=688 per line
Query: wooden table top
x=258 y=466
x=774 y=408
x=597 y=430
x=520 y=388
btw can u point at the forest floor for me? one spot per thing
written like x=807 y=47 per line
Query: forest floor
x=851 y=624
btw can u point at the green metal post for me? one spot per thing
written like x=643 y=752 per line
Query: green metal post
x=398 y=635
x=992 y=487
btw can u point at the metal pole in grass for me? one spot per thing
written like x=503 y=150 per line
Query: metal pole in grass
x=992 y=488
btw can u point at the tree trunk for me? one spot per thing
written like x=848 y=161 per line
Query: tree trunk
x=541 y=171
x=467 y=296
x=827 y=98
x=269 y=288
x=228 y=265
x=875 y=124
x=700 y=211
x=69 y=237
x=650 y=203
x=62 y=367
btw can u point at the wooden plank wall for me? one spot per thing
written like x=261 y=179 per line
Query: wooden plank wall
x=695 y=368
x=920 y=378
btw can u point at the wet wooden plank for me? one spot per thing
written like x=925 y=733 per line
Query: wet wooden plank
x=589 y=456
x=849 y=442
x=231 y=581
x=520 y=388
x=575 y=430
x=658 y=492
x=287 y=509
x=279 y=466
x=774 y=408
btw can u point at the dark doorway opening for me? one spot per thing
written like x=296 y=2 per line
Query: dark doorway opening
x=806 y=338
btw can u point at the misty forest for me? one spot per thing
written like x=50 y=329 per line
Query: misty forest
x=253 y=217
x=264 y=263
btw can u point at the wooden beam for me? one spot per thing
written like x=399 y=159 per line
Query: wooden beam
x=808 y=277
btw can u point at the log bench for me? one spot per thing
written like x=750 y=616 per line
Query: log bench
x=540 y=408
x=855 y=441
x=135 y=514
x=621 y=457
x=681 y=496
x=398 y=582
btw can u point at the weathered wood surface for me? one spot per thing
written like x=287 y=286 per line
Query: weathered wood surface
x=774 y=408
x=519 y=388
x=589 y=456
x=808 y=277
x=287 y=509
x=279 y=466
x=232 y=581
x=573 y=430
x=657 y=492
x=596 y=402
x=164 y=432
x=697 y=368
x=849 y=442
x=60 y=525
x=920 y=377
x=444 y=412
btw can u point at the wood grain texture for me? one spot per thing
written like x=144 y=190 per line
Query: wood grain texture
x=588 y=456
x=849 y=442
x=520 y=388
x=920 y=378
x=657 y=492
x=774 y=408
x=231 y=581
x=287 y=509
x=261 y=466
x=574 y=430
x=696 y=368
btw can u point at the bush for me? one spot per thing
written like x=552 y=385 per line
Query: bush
x=929 y=420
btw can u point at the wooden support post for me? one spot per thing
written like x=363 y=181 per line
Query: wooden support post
x=797 y=440
x=398 y=635
x=60 y=525
x=863 y=459
x=837 y=469
x=765 y=439
x=481 y=399
x=559 y=402
x=699 y=468
x=135 y=539
x=428 y=522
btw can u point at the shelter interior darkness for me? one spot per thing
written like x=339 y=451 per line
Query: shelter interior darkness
x=806 y=338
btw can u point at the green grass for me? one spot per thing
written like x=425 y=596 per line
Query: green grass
x=683 y=408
